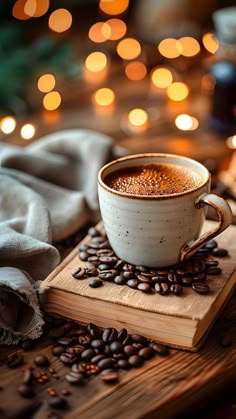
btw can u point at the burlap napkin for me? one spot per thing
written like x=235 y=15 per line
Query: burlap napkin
x=48 y=190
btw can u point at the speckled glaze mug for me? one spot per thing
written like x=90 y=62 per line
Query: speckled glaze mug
x=159 y=230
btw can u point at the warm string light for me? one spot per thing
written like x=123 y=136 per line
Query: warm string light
x=113 y=7
x=128 y=48
x=231 y=142
x=27 y=131
x=60 y=20
x=136 y=122
x=210 y=42
x=8 y=124
x=135 y=70
x=186 y=122
x=52 y=100
x=46 y=83
x=161 y=77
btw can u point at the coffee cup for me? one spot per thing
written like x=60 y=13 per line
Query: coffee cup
x=154 y=205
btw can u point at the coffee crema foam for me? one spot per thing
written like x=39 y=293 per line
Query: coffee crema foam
x=154 y=179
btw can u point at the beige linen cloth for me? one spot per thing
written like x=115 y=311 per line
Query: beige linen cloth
x=47 y=191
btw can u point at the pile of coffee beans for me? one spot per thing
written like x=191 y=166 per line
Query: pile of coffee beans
x=101 y=264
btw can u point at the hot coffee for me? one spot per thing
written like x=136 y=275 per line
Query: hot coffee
x=154 y=179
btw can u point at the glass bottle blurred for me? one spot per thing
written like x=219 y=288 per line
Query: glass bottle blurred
x=222 y=116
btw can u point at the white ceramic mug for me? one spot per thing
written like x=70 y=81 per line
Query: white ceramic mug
x=159 y=230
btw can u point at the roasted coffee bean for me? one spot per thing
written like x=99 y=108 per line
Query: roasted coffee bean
x=144 y=287
x=108 y=275
x=135 y=360
x=144 y=278
x=58 y=350
x=27 y=376
x=103 y=267
x=95 y=283
x=75 y=349
x=97 y=358
x=109 y=335
x=27 y=344
x=147 y=352
x=128 y=275
x=110 y=260
x=213 y=270
x=128 y=267
x=158 y=279
x=98 y=240
x=123 y=363
x=88 y=369
x=41 y=361
x=92 y=252
x=84 y=340
x=159 y=348
x=105 y=244
x=177 y=289
x=93 y=232
x=68 y=359
x=119 y=264
x=186 y=280
x=106 y=363
x=74 y=377
x=83 y=247
x=106 y=351
x=200 y=287
x=25 y=390
x=122 y=335
x=211 y=244
x=127 y=340
x=91 y=269
x=162 y=288
x=94 y=245
x=87 y=354
x=211 y=262
x=130 y=350
x=97 y=344
x=116 y=347
x=119 y=280
x=14 y=360
x=83 y=255
x=57 y=402
x=172 y=277
x=109 y=375
x=139 y=339
x=133 y=283
x=79 y=273
x=105 y=252
x=94 y=331
x=219 y=252
x=64 y=341
x=199 y=277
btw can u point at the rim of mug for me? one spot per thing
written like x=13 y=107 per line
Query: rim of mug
x=151 y=155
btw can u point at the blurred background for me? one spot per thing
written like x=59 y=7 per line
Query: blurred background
x=155 y=75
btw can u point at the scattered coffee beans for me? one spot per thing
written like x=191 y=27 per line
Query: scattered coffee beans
x=102 y=263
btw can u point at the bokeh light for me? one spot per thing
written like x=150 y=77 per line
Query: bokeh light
x=161 y=77
x=104 y=96
x=96 y=61
x=99 y=32
x=128 y=48
x=18 y=10
x=52 y=101
x=170 y=48
x=210 y=43
x=135 y=70
x=60 y=20
x=118 y=28
x=177 y=91
x=189 y=46
x=8 y=124
x=231 y=142
x=113 y=7
x=36 y=8
x=46 y=83
x=186 y=122
x=27 y=131
x=138 y=117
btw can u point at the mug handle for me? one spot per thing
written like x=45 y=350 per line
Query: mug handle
x=225 y=219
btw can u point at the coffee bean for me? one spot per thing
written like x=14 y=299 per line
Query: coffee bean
x=211 y=262
x=122 y=335
x=79 y=273
x=97 y=344
x=14 y=360
x=119 y=280
x=211 y=244
x=67 y=358
x=97 y=358
x=103 y=267
x=146 y=352
x=91 y=269
x=25 y=390
x=74 y=377
x=186 y=280
x=162 y=288
x=58 y=350
x=135 y=360
x=144 y=287
x=95 y=283
x=75 y=349
x=83 y=255
x=177 y=289
x=130 y=350
x=219 y=252
x=110 y=260
x=87 y=354
x=200 y=287
x=106 y=363
x=84 y=340
x=128 y=267
x=94 y=331
x=109 y=375
x=57 y=402
x=159 y=348
x=128 y=275
x=93 y=232
x=116 y=347
x=64 y=341
x=214 y=270
x=199 y=277
x=41 y=361
x=172 y=277
x=109 y=335
x=139 y=339
x=108 y=275
x=27 y=344
x=133 y=283
x=123 y=363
